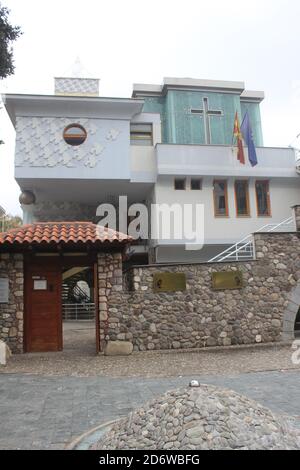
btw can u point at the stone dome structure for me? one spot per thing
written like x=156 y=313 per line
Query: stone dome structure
x=199 y=418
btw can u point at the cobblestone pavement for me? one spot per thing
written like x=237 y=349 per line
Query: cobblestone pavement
x=39 y=412
x=76 y=362
x=46 y=400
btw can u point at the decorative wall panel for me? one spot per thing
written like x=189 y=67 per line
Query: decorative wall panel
x=83 y=86
x=40 y=144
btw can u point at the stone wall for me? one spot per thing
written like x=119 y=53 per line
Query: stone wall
x=201 y=316
x=11 y=314
x=129 y=311
x=110 y=282
x=45 y=211
x=297 y=217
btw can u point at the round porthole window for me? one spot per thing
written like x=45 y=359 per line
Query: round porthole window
x=75 y=134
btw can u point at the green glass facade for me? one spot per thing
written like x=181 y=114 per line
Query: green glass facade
x=255 y=119
x=180 y=126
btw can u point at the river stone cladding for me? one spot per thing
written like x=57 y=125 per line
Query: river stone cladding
x=202 y=317
x=263 y=311
x=11 y=314
x=205 y=418
x=110 y=281
x=297 y=216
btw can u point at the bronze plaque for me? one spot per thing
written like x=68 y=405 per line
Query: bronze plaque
x=227 y=280
x=169 y=282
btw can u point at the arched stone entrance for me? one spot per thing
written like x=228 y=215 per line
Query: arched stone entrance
x=290 y=314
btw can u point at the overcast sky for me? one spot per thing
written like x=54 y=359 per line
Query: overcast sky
x=131 y=41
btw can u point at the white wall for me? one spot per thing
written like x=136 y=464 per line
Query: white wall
x=213 y=160
x=142 y=164
x=284 y=193
x=143 y=159
x=150 y=118
x=178 y=254
x=41 y=151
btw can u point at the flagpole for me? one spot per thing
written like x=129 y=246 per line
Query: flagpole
x=232 y=139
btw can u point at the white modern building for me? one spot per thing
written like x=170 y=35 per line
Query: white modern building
x=167 y=144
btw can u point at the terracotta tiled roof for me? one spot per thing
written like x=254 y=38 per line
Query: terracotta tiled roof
x=62 y=232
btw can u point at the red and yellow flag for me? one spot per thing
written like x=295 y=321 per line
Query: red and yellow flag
x=239 y=138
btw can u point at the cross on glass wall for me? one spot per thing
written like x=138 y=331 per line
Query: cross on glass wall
x=207 y=113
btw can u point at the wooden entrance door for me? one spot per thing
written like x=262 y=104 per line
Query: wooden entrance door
x=43 y=317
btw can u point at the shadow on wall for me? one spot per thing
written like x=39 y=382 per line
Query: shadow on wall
x=297 y=325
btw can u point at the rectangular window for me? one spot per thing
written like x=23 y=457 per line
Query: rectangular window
x=196 y=184
x=241 y=189
x=263 y=198
x=220 y=198
x=179 y=184
x=141 y=134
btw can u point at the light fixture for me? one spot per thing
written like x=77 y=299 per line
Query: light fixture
x=26 y=198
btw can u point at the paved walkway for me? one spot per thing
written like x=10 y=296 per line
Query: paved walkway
x=78 y=359
x=39 y=412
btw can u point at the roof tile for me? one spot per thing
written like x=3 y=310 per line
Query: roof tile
x=62 y=232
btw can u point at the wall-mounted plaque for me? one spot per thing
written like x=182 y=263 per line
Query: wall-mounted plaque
x=169 y=282
x=4 y=290
x=227 y=280
x=40 y=284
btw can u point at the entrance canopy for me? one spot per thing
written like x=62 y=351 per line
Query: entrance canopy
x=62 y=235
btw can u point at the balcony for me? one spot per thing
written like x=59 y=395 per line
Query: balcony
x=220 y=160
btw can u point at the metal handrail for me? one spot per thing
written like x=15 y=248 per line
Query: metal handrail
x=248 y=241
x=72 y=292
x=285 y=222
x=232 y=248
x=235 y=252
x=83 y=295
x=75 y=311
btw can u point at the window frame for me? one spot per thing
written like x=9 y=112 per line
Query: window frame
x=198 y=180
x=180 y=179
x=226 y=198
x=247 y=198
x=267 y=183
x=78 y=138
x=141 y=135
